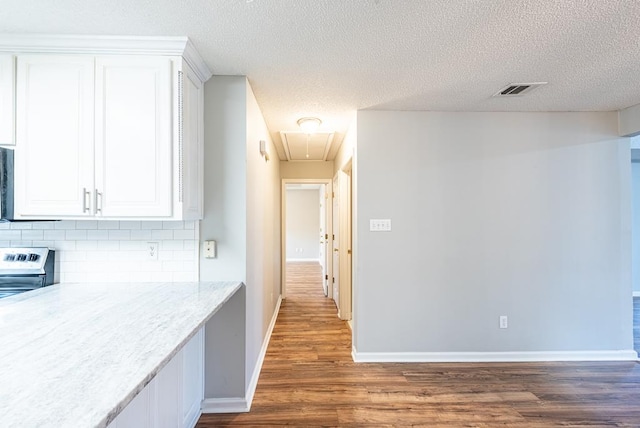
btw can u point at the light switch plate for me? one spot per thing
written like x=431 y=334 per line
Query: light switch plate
x=380 y=225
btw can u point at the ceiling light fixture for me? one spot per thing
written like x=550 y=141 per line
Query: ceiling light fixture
x=309 y=124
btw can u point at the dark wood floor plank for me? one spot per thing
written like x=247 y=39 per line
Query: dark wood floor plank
x=308 y=379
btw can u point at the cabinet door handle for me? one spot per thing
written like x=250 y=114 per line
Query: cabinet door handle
x=85 y=205
x=98 y=201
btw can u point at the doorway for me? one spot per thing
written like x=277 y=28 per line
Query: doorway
x=306 y=229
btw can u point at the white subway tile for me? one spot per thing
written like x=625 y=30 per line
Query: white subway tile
x=141 y=234
x=184 y=276
x=133 y=245
x=98 y=235
x=65 y=224
x=43 y=225
x=19 y=244
x=149 y=225
x=87 y=245
x=10 y=235
x=54 y=235
x=109 y=245
x=76 y=235
x=183 y=255
x=189 y=244
x=73 y=277
x=33 y=235
x=172 y=245
x=173 y=225
x=161 y=234
x=21 y=225
x=5 y=225
x=130 y=225
x=119 y=235
x=184 y=234
x=108 y=224
x=171 y=266
x=65 y=245
x=45 y=244
x=87 y=224
x=165 y=255
x=5 y=243
x=73 y=256
x=140 y=277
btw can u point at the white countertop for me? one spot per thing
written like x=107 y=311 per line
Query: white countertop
x=74 y=355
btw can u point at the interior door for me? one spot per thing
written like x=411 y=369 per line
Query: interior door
x=323 y=237
x=336 y=242
x=344 y=197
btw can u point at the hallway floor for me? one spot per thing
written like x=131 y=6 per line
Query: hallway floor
x=309 y=379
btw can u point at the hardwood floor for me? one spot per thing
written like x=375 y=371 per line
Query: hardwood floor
x=308 y=379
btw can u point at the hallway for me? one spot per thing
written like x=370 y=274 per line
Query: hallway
x=309 y=379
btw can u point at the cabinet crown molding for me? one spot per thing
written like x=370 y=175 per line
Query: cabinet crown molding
x=107 y=45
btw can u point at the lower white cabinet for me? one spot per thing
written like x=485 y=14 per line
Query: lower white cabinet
x=173 y=398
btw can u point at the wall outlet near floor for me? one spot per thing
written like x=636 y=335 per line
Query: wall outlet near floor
x=152 y=250
x=504 y=322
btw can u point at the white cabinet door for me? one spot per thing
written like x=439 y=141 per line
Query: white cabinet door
x=192 y=380
x=133 y=136
x=7 y=97
x=168 y=388
x=54 y=140
x=137 y=414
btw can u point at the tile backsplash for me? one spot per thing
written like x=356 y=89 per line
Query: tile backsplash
x=112 y=251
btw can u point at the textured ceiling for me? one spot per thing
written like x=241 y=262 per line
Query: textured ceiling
x=329 y=58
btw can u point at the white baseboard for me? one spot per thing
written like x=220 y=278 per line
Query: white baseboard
x=636 y=294
x=243 y=404
x=225 y=405
x=470 y=357
x=304 y=260
x=253 y=384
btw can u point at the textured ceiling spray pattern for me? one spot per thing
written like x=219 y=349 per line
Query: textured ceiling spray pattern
x=329 y=58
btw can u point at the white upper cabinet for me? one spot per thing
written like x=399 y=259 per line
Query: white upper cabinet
x=133 y=136
x=54 y=157
x=109 y=135
x=7 y=97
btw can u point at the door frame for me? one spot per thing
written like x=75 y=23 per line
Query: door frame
x=344 y=193
x=283 y=228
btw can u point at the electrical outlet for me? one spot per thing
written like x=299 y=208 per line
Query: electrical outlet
x=504 y=322
x=152 y=250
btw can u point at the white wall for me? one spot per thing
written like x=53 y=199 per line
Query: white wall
x=242 y=213
x=225 y=220
x=306 y=169
x=635 y=261
x=303 y=224
x=518 y=214
x=111 y=251
x=263 y=234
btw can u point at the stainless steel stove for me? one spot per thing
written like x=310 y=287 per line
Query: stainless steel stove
x=25 y=269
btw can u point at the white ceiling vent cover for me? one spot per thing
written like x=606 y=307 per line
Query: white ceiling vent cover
x=518 y=89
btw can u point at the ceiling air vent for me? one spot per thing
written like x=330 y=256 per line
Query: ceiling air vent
x=518 y=89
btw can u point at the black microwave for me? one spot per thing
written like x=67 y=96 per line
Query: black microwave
x=6 y=184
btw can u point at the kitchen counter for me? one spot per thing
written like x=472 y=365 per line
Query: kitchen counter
x=74 y=355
